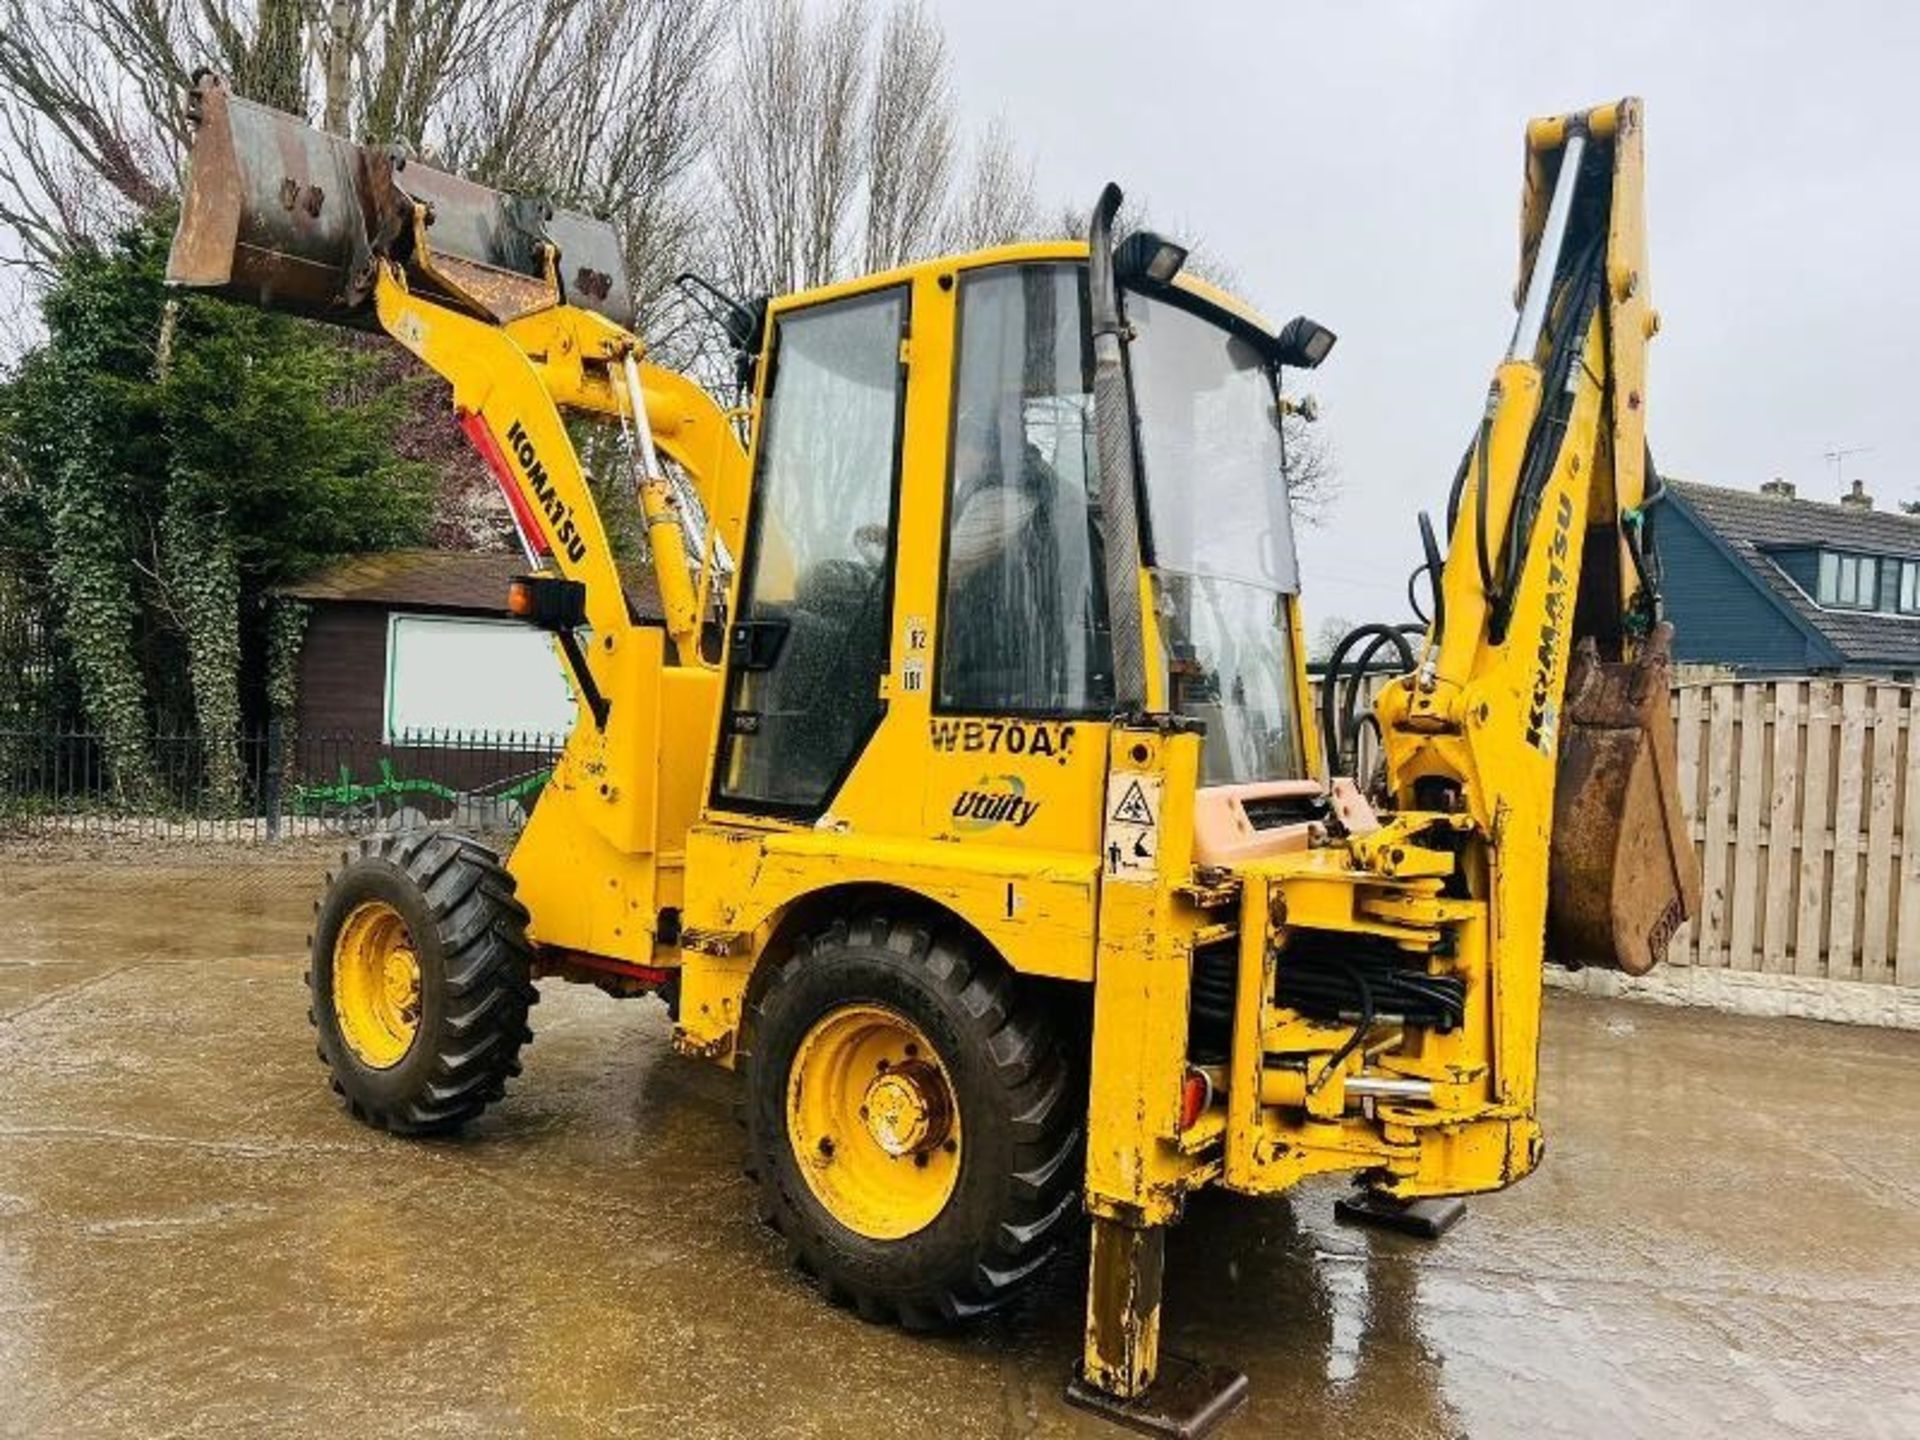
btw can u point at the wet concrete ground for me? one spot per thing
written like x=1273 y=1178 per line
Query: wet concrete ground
x=194 y=1239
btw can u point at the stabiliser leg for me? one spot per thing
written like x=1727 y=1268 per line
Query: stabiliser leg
x=1427 y=1219
x=1123 y=1376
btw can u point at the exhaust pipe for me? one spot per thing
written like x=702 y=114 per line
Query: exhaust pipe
x=287 y=217
x=1119 y=502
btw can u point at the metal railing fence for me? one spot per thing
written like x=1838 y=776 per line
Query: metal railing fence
x=267 y=784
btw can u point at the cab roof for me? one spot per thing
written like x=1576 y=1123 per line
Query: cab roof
x=1021 y=252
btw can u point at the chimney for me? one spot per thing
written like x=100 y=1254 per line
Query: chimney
x=1778 y=488
x=1857 y=498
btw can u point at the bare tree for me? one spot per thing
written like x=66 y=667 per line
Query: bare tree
x=1313 y=474
x=789 y=161
x=996 y=203
x=909 y=159
x=79 y=147
x=1327 y=636
x=840 y=147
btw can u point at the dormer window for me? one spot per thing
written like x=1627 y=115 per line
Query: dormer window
x=1849 y=582
x=1868 y=582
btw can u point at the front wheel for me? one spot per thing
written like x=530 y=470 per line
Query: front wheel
x=420 y=980
x=912 y=1122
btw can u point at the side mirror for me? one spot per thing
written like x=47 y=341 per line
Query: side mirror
x=1303 y=342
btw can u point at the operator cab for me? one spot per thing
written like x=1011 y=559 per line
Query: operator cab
x=1021 y=626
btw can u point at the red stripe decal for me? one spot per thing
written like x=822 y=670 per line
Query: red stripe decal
x=481 y=438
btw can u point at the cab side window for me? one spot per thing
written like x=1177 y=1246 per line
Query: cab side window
x=1023 y=626
x=810 y=643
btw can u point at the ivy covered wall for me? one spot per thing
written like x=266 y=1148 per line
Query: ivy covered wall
x=165 y=459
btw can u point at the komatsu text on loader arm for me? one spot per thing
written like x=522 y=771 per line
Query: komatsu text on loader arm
x=962 y=791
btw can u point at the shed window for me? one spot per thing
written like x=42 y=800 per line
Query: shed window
x=450 y=675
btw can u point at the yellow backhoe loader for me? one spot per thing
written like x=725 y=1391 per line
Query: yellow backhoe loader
x=961 y=789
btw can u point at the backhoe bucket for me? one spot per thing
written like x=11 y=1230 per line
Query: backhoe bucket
x=287 y=217
x=1623 y=877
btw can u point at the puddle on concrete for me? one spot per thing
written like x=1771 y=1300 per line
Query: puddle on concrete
x=1723 y=1239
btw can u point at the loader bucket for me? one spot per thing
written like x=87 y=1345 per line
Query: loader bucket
x=1623 y=876
x=287 y=217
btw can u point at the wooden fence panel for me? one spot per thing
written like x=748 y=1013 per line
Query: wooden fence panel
x=1883 y=788
x=1843 y=904
x=1749 y=808
x=1803 y=804
x=1688 y=716
x=1715 y=878
x=1906 y=944
x=1782 y=832
x=1815 y=830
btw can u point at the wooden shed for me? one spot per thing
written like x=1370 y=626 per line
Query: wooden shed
x=382 y=627
x=412 y=680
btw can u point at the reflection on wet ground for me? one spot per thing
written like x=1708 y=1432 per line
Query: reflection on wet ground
x=193 y=1238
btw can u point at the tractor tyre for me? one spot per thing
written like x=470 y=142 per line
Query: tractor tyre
x=420 y=980
x=913 y=1123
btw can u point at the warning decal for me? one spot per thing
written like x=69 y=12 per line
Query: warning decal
x=1131 y=849
x=1133 y=808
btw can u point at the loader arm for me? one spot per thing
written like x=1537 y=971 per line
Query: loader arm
x=511 y=384
x=520 y=306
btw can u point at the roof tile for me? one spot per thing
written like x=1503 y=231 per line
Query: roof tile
x=453 y=580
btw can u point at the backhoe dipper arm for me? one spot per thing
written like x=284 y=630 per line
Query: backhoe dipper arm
x=1546 y=550
x=1535 y=452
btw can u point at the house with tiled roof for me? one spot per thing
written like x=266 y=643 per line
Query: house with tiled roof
x=1767 y=583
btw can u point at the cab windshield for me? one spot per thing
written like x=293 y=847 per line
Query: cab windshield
x=1220 y=536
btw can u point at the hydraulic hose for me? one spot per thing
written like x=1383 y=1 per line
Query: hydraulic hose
x=1637 y=526
x=1487 y=583
x=1331 y=726
x=1580 y=296
x=1434 y=566
x=1360 y=1028
x=1413 y=593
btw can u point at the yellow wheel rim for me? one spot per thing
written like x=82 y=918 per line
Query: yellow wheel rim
x=376 y=985
x=873 y=1123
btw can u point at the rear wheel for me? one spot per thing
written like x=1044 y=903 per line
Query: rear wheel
x=912 y=1122
x=420 y=980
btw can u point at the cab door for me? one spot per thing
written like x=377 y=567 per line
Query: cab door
x=808 y=648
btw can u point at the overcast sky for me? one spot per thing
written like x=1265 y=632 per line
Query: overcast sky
x=1360 y=162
